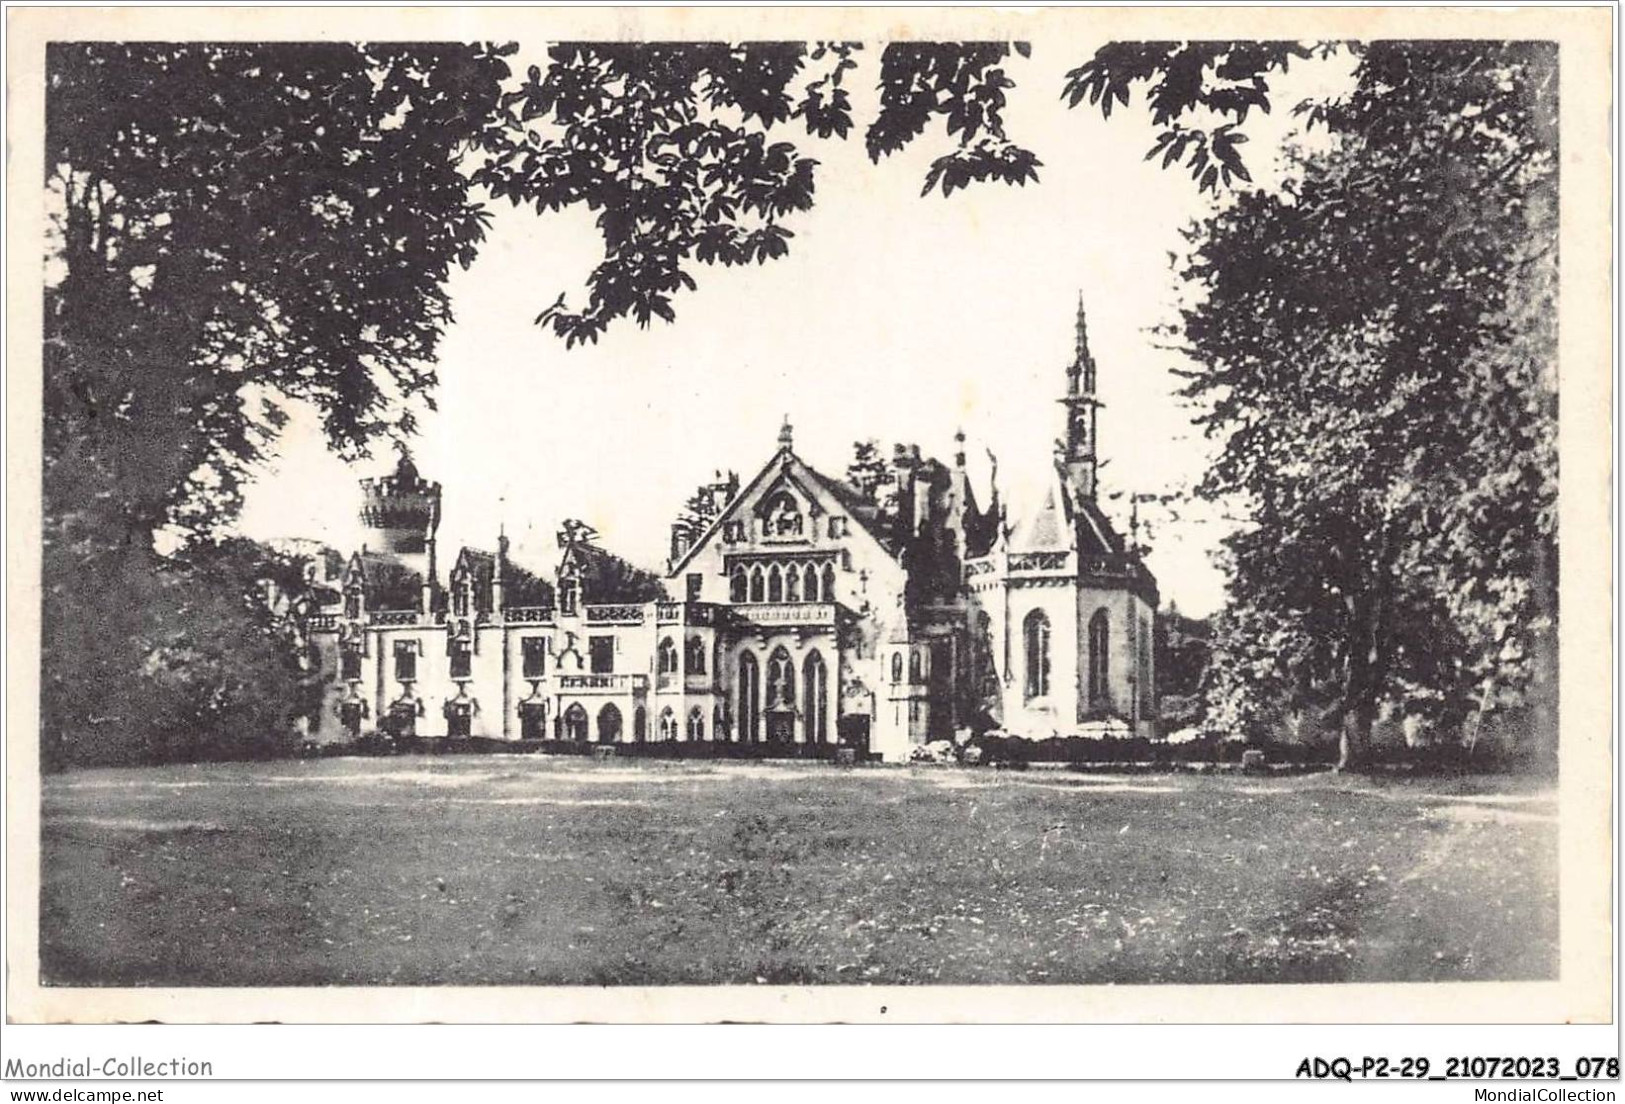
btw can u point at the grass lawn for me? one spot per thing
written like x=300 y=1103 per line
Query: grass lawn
x=522 y=869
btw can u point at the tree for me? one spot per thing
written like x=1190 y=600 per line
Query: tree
x=202 y=656
x=1374 y=347
x=234 y=227
x=868 y=471
x=668 y=143
x=238 y=225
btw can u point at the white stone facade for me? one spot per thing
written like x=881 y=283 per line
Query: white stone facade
x=808 y=612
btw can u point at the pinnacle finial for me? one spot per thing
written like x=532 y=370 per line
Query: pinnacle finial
x=786 y=434
x=1083 y=330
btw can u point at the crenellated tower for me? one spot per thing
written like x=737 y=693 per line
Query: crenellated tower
x=401 y=512
x=1079 y=450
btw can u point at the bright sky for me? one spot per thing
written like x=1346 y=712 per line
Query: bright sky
x=895 y=317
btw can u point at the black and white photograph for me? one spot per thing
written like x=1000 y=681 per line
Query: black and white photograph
x=834 y=508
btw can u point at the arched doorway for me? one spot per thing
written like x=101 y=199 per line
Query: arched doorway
x=573 y=724
x=781 y=697
x=609 y=724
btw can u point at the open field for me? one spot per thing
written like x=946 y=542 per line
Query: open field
x=522 y=869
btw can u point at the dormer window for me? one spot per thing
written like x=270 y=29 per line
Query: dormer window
x=733 y=532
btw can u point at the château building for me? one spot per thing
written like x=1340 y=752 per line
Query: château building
x=799 y=608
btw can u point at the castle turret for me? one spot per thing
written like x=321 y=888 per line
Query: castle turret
x=401 y=512
x=1079 y=449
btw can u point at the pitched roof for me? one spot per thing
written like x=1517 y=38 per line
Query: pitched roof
x=860 y=509
x=607 y=578
x=387 y=583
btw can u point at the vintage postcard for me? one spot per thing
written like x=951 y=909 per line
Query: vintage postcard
x=685 y=515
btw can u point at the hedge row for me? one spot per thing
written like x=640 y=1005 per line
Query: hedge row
x=664 y=749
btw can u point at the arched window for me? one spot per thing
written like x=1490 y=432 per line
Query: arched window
x=609 y=724
x=352 y=603
x=1035 y=635
x=775 y=584
x=810 y=583
x=668 y=724
x=696 y=724
x=815 y=706
x=1148 y=694
x=758 y=584
x=748 y=707
x=694 y=656
x=781 y=681
x=914 y=675
x=829 y=582
x=1099 y=660
x=792 y=583
x=718 y=732
x=666 y=656
x=897 y=667
x=640 y=724
x=738 y=585
x=575 y=722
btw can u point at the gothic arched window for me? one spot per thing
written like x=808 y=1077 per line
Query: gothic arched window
x=1035 y=636
x=694 y=655
x=781 y=681
x=792 y=583
x=666 y=656
x=1099 y=660
x=815 y=708
x=775 y=584
x=738 y=585
x=810 y=583
x=897 y=667
x=748 y=708
x=696 y=724
x=668 y=724
x=758 y=584
x=829 y=582
x=914 y=674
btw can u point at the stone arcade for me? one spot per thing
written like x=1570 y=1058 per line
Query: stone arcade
x=808 y=611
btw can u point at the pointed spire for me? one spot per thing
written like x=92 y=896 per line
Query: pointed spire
x=1083 y=331
x=786 y=434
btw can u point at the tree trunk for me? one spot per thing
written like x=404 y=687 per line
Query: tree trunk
x=1355 y=738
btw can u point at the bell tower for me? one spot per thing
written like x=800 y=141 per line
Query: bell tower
x=1079 y=452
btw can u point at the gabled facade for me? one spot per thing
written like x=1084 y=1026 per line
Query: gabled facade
x=809 y=611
